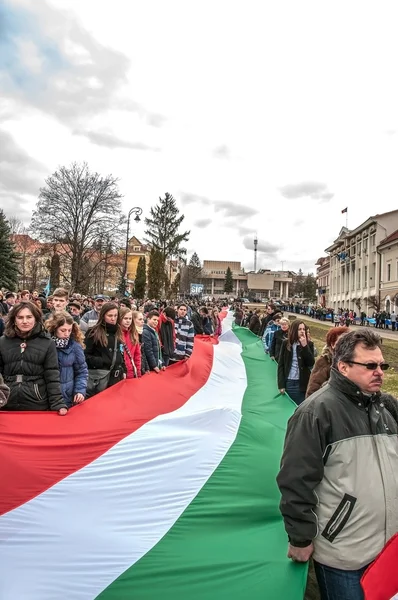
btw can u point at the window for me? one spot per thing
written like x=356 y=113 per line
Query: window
x=137 y=248
x=365 y=245
x=373 y=240
x=359 y=247
x=389 y=272
x=359 y=279
x=396 y=275
x=365 y=276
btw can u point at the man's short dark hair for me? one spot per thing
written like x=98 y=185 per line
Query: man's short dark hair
x=61 y=293
x=152 y=313
x=347 y=343
x=182 y=304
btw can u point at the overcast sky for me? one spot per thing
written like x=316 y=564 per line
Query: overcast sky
x=258 y=116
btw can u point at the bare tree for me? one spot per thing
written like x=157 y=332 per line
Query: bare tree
x=75 y=209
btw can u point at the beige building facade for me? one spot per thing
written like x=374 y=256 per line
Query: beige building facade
x=322 y=280
x=356 y=263
x=388 y=250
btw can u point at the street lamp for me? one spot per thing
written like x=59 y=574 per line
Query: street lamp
x=138 y=212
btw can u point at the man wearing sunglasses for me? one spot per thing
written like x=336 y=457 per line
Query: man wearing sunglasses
x=339 y=470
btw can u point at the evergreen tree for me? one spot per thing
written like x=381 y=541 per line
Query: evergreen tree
x=175 y=287
x=163 y=229
x=194 y=269
x=229 y=284
x=298 y=285
x=8 y=256
x=309 y=288
x=122 y=287
x=140 y=279
x=156 y=274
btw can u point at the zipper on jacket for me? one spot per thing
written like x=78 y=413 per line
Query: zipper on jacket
x=339 y=518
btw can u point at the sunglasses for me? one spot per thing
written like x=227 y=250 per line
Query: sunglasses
x=371 y=366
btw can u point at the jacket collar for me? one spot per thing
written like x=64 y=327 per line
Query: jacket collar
x=350 y=389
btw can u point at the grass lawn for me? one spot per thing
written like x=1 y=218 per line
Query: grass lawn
x=318 y=333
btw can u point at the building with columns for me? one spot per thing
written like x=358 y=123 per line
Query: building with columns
x=263 y=284
x=269 y=284
x=356 y=263
x=388 y=250
x=213 y=277
x=322 y=280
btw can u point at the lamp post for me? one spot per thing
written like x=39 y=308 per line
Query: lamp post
x=138 y=212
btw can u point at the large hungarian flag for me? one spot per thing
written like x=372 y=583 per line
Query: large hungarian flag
x=159 y=488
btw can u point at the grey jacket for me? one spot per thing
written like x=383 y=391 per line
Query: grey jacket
x=88 y=320
x=339 y=474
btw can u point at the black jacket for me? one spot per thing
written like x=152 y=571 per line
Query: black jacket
x=306 y=360
x=100 y=357
x=32 y=375
x=276 y=343
x=152 y=347
x=255 y=324
x=197 y=323
x=144 y=363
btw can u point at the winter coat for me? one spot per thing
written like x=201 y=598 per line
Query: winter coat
x=32 y=375
x=2 y=326
x=4 y=392
x=144 y=362
x=197 y=323
x=132 y=356
x=238 y=316
x=88 y=320
x=276 y=343
x=152 y=347
x=167 y=335
x=265 y=320
x=217 y=326
x=321 y=372
x=207 y=325
x=268 y=336
x=185 y=335
x=100 y=357
x=73 y=371
x=255 y=324
x=305 y=357
x=339 y=476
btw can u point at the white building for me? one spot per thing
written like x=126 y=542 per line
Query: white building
x=355 y=263
x=389 y=273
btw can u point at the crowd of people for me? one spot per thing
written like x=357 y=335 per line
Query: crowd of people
x=57 y=351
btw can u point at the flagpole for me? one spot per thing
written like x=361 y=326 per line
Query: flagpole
x=346 y=218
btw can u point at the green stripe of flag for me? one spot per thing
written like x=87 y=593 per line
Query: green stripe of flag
x=230 y=543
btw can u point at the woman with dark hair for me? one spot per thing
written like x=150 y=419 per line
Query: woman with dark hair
x=29 y=362
x=295 y=361
x=68 y=338
x=131 y=343
x=321 y=372
x=104 y=344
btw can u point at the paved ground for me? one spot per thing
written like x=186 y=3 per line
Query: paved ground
x=385 y=333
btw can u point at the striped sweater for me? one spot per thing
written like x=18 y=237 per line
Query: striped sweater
x=184 y=338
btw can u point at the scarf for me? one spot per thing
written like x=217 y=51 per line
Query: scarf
x=61 y=342
x=139 y=329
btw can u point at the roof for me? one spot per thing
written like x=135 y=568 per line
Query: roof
x=390 y=238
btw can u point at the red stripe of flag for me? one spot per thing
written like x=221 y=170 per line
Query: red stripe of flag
x=38 y=449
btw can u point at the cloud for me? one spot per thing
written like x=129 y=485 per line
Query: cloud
x=227 y=208
x=222 y=152
x=262 y=246
x=48 y=60
x=202 y=223
x=20 y=175
x=108 y=140
x=235 y=210
x=242 y=230
x=309 y=189
x=187 y=198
